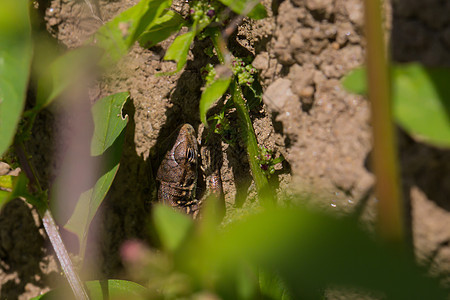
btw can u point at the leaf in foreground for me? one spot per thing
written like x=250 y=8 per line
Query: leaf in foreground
x=173 y=228
x=421 y=100
x=15 y=60
x=64 y=71
x=104 y=289
x=106 y=144
x=308 y=251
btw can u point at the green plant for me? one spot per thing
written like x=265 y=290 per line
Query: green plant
x=62 y=73
x=149 y=22
x=421 y=100
x=280 y=253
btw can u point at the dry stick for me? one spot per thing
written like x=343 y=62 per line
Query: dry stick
x=51 y=229
x=61 y=253
x=384 y=156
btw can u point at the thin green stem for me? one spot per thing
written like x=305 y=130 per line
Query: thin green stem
x=219 y=44
x=265 y=193
x=50 y=226
x=390 y=205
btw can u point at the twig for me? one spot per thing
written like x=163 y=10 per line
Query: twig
x=50 y=227
x=61 y=253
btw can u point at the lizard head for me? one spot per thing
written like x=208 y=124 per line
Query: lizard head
x=178 y=168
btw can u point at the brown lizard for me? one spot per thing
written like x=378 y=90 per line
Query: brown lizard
x=177 y=173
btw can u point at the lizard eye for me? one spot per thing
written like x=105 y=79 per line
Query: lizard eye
x=190 y=155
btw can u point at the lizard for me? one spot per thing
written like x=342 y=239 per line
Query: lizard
x=178 y=173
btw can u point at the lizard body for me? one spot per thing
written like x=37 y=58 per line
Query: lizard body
x=177 y=172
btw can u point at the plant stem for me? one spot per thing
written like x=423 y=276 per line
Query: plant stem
x=390 y=206
x=63 y=256
x=219 y=45
x=265 y=193
x=50 y=227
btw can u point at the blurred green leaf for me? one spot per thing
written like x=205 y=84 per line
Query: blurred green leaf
x=308 y=251
x=104 y=289
x=15 y=59
x=355 y=81
x=179 y=49
x=118 y=35
x=4 y=198
x=163 y=27
x=63 y=71
x=107 y=141
x=211 y=93
x=240 y=7
x=272 y=286
x=421 y=100
x=172 y=227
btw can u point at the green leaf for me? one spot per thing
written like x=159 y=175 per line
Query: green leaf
x=172 y=227
x=179 y=49
x=13 y=187
x=211 y=93
x=265 y=192
x=4 y=198
x=107 y=141
x=108 y=122
x=65 y=70
x=104 y=289
x=241 y=6
x=118 y=35
x=161 y=29
x=355 y=81
x=421 y=100
x=15 y=59
x=308 y=251
x=272 y=286
x=6 y=182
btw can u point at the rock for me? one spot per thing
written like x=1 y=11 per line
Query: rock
x=261 y=61
x=4 y=168
x=322 y=8
x=278 y=94
x=355 y=12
